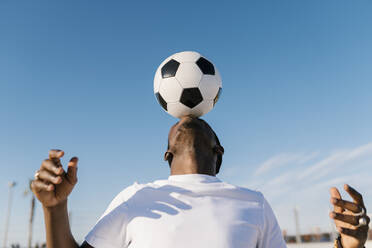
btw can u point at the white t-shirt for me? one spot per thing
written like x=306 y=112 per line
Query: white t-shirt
x=187 y=211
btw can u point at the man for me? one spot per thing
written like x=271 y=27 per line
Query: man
x=193 y=208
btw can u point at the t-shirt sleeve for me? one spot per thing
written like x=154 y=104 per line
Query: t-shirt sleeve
x=110 y=230
x=123 y=196
x=271 y=232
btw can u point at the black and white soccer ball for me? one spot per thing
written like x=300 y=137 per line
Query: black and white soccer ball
x=186 y=83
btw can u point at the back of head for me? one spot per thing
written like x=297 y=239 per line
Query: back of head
x=194 y=138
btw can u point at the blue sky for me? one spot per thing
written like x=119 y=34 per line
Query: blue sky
x=294 y=117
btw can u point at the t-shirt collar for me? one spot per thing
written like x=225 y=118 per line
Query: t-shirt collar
x=194 y=178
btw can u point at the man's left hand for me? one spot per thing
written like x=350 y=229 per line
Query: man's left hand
x=348 y=217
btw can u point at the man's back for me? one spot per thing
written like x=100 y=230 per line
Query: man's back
x=191 y=210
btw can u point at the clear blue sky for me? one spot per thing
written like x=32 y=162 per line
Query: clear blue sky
x=294 y=117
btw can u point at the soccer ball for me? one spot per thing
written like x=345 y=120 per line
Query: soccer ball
x=187 y=84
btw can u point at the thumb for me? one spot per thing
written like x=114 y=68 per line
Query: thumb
x=72 y=170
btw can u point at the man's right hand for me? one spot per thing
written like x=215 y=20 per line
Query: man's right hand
x=52 y=184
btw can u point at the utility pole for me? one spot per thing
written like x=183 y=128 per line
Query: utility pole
x=298 y=233
x=32 y=213
x=7 y=220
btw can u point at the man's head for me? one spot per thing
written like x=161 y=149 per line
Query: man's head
x=192 y=142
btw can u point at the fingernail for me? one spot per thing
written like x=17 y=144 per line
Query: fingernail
x=57 y=180
x=59 y=170
x=74 y=159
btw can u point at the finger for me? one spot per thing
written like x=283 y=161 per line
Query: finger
x=349 y=232
x=336 y=194
x=72 y=170
x=56 y=153
x=350 y=219
x=48 y=165
x=357 y=197
x=346 y=205
x=38 y=186
x=359 y=233
x=49 y=177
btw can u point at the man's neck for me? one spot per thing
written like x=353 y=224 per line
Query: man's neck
x=189 y=165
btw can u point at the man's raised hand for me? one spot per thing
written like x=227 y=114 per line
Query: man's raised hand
x=52 y=184
x=347 y=217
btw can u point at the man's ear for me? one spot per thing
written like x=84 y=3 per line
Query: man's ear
x=219 y=150
x=168 y=156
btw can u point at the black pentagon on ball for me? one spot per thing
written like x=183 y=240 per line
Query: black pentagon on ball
x=169 y=69
x=205 y=66
x=217 y=96
x=191 y=97
x=161 y=101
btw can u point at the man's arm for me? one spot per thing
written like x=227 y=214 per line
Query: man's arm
x=57 y=227
x=52 y=186
x=271 y=233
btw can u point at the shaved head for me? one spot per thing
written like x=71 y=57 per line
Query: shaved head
x=193 y=137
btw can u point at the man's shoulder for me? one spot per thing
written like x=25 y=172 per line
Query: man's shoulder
x=132 y=189
x=123 y=196
x=252 y=192
x=129 y=191
x=246 y=193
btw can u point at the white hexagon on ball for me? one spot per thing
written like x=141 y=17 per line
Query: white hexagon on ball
x=209 y=87
x=187 y=83
x=170 y=90
x=202 y=108
x=189 y=74
x=187 y=56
